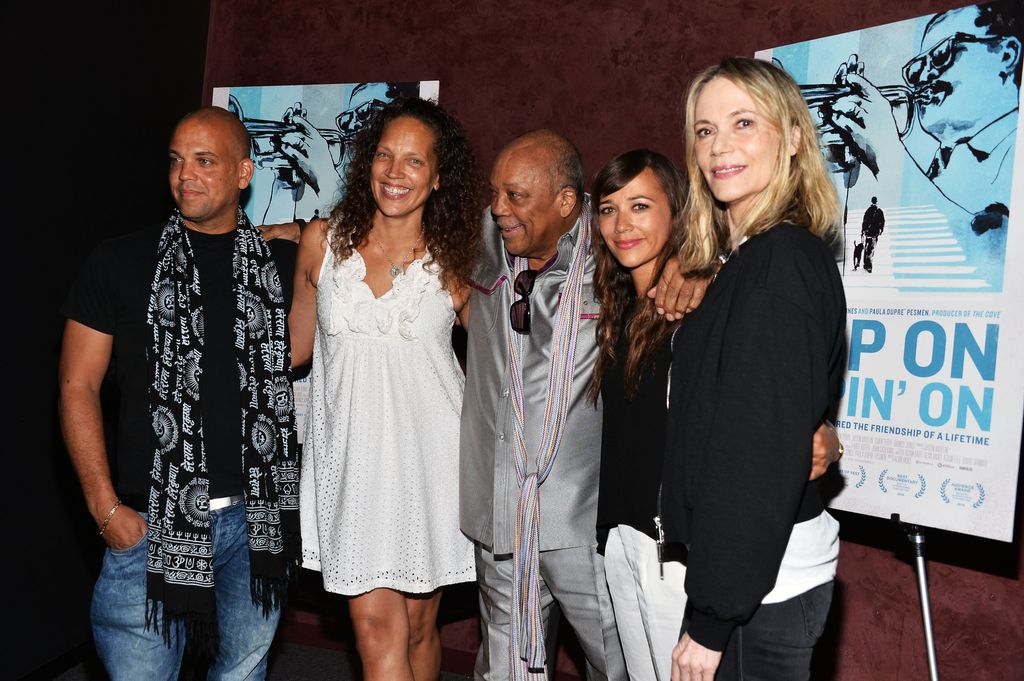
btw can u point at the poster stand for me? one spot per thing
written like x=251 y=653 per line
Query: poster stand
x=916 y=538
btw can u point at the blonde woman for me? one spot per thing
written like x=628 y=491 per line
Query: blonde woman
x=754 y=371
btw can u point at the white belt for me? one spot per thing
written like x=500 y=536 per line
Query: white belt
x=224 y=502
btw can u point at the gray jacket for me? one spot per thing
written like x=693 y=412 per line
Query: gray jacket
x=488 y=487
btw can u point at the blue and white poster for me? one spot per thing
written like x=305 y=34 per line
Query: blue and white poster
x=919 y=124
x=300 y=136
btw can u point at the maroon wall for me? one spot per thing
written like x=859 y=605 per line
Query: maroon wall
x=610 y=75
x=610 y=78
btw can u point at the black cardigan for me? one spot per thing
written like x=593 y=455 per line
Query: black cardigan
x=754 y=370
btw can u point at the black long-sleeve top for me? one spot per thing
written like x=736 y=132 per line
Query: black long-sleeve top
x=754 y=370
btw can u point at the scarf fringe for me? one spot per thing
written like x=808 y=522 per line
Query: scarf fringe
x=202 y=638
x=152 y=619
x=271 y=593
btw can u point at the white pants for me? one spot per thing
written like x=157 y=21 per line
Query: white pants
x=648 y=609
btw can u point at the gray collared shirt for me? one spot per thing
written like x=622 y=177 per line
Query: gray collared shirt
x=489 y=490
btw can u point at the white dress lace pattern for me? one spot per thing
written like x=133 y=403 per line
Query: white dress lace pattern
x=379 y=489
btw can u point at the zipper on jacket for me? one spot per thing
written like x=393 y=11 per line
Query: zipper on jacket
x=659 y=528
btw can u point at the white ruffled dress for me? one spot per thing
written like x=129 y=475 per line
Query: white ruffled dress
x=379 y=493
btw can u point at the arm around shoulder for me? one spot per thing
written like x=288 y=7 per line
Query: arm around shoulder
x=677 y=293
x=288 y=231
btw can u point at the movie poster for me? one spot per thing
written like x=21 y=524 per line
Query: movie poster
x=301 y=138
x=300 y=135
x=919 y=124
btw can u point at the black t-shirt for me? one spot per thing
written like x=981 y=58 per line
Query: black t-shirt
x=111 y=295
x=632 y=440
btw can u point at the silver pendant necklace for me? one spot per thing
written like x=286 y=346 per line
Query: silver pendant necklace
x=397 y=268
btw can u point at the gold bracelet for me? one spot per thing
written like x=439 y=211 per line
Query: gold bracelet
x=106 y=521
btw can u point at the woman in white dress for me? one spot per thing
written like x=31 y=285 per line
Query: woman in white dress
x=377 y=290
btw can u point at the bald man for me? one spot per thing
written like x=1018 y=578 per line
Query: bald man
x=199 y=506
x=533 y=278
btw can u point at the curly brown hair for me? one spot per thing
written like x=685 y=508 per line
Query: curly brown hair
x=451 y=216
x=613 y=284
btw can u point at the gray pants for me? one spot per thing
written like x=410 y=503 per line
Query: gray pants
x=574 y=578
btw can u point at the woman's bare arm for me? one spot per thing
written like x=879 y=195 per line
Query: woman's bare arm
x=302 y=318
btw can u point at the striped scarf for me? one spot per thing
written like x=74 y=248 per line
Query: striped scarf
x=526 y=649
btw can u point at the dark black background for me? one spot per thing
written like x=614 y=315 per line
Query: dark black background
x=97 y=88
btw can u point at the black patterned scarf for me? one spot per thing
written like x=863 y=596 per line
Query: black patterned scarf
x=180 y=559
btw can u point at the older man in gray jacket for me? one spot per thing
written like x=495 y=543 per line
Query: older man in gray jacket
x=531 y=442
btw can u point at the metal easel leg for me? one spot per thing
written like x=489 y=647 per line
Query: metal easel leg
x=916 y=538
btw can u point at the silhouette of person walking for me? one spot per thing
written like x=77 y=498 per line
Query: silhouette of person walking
x=870 y=229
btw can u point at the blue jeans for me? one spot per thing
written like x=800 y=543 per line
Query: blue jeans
x=777 y=643
x=130 y=652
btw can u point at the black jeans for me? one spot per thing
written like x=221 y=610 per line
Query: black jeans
x=776 y=644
